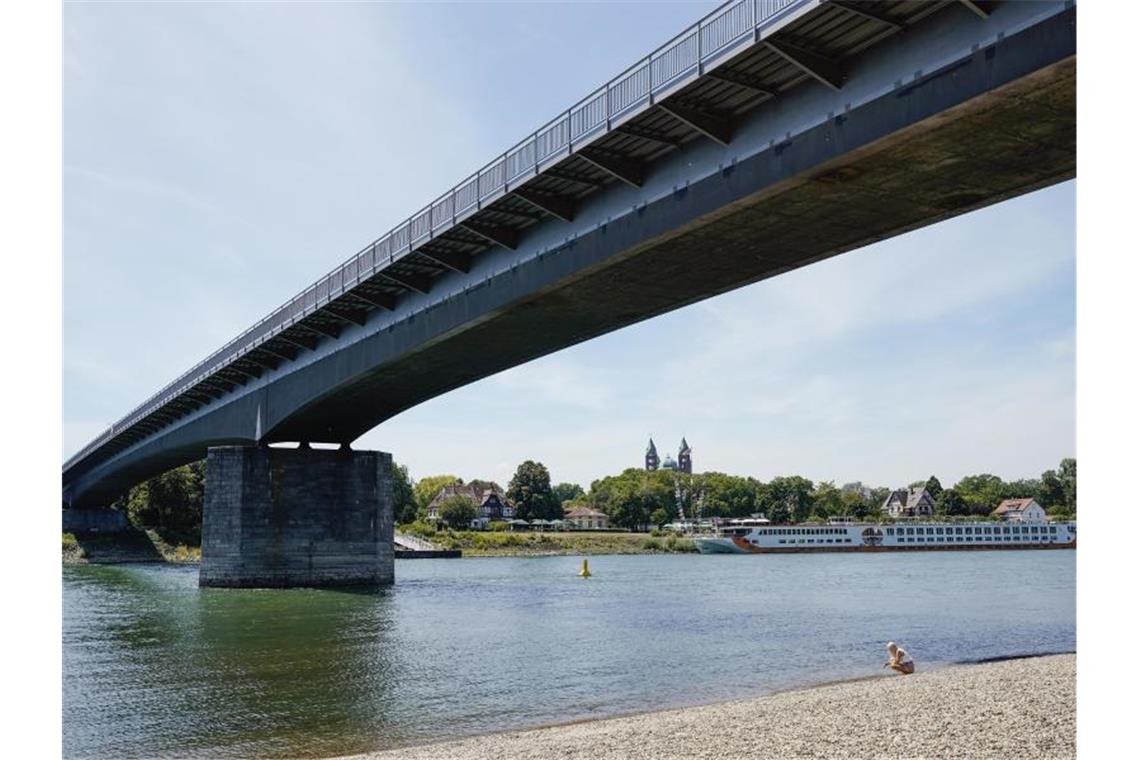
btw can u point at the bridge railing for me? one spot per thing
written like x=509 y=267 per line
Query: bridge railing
x=725 y=29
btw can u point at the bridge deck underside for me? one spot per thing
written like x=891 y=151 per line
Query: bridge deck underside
x=1011 y=141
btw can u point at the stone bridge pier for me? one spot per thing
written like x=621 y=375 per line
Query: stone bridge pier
x=279 y=518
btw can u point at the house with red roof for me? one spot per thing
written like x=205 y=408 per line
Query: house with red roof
x=1020 y=510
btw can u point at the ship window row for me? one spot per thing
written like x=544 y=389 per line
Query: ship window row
x=935 y=539
x=1016 y=530
x=803 y=531
x=813 y=541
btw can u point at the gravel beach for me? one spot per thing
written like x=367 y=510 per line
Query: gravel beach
x=1023 y=708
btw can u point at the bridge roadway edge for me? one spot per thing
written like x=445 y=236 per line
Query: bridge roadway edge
x=992 y=125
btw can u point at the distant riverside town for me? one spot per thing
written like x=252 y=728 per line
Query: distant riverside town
x=661 y=494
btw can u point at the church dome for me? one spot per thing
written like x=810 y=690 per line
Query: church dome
x=669 y=463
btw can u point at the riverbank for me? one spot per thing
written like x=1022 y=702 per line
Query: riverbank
x=1021 y=708
x=147 y=546
x=132 y=545
x=531 y=544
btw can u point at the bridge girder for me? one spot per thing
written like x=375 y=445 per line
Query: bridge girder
x=204 y=417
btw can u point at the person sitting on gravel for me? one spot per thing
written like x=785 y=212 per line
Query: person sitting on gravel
x=899 y=660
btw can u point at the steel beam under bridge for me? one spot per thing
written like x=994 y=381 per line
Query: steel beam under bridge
x=832 y=126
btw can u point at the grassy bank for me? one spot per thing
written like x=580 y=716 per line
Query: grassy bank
x=493 y=544
x=148 y=546
x=129 y=546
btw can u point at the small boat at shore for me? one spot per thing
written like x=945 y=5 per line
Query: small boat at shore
x=759 y=536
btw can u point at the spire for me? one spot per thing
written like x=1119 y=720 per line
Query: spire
x=685 y=457
x=651 y=459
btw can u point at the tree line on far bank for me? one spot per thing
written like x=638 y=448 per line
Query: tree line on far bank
x=171 y=503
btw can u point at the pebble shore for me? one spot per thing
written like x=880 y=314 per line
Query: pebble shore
x=1023 y=708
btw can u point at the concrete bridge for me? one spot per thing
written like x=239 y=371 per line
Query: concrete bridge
x=770 y=135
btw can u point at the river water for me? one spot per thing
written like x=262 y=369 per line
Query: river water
x=153 y=665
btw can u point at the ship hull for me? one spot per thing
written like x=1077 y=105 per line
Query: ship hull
x=799 y=539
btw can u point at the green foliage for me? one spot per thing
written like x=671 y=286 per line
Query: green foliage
x=171 y=504
x=950 y=502
x=728 y=495
x=426 y=488
x=531 y=494
x=565 y=492
x=827 y=501
x=497 y=526
x=1050 y=491
x=458 y=511
x=421 y=528
x=72 y=551
x=788 y=499
x=982 y=493
x=933 y=487
x=404 y=503
x=1067 y=473
x=659 y=517
x=631 y=498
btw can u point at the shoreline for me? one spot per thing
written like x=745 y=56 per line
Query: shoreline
x=1011 y=706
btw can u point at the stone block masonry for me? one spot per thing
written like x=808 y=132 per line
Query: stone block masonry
x=86 y=521
x=278 y=518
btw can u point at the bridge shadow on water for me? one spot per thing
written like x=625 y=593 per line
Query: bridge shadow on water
x=242 y=672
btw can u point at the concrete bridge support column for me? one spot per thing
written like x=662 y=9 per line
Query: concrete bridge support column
x=296 y=517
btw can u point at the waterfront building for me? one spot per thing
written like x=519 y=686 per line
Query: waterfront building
x=909 y=502
x=1020 y=510
x=585 y=518
x=490 y=505
x=683 y=462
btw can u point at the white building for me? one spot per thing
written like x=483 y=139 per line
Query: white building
x=1020 y=510
x=909 y=502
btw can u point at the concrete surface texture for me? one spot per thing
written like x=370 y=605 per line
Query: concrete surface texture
x=296 y=517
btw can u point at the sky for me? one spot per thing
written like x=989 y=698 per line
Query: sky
x=220 y=157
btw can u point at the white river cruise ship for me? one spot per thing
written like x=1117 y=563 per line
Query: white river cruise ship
x=759 y=536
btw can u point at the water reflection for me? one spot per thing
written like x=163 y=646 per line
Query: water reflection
x=223 y=672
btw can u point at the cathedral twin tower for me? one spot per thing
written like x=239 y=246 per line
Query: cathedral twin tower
x=683 y=463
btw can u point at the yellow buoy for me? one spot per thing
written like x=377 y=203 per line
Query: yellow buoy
x=585 y=573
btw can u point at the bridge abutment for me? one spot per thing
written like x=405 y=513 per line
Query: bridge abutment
x=296 y=518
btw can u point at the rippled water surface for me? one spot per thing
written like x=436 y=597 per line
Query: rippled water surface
x=155 y=666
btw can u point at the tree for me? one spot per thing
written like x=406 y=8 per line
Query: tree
x=428 y=487
x=827 y=500
x=981 y=492
x=171 y=503
x=933 y=487
x=1050 y=491
x=457 y=511
x=1018 y=489
x=727 y=495
x=950 y=502
x=631 y=498
x=659 y=517
x=856 y=504
x=565 y=492
x=404 y=504
x=1067 y=474
x=788 y=499
x=531 y=493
